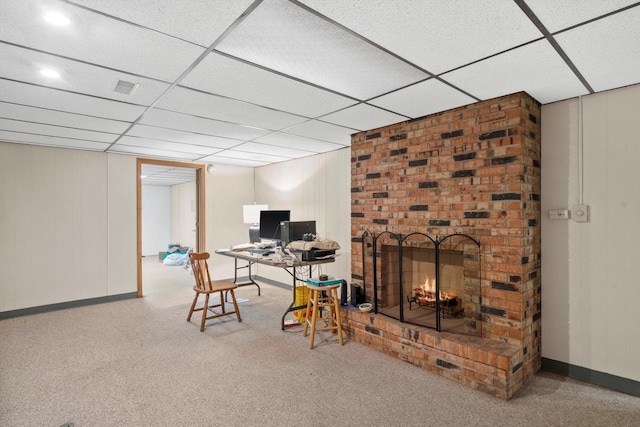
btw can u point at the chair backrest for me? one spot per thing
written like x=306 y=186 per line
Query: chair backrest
x=200 y=270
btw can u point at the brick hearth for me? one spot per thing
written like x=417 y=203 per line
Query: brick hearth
x=473 y=170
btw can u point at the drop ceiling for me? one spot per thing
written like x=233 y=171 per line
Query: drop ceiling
x=251 y=83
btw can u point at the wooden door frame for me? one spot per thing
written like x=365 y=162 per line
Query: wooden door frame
x=200 y=206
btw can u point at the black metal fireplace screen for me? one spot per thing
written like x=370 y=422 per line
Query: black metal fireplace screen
x=426 y=281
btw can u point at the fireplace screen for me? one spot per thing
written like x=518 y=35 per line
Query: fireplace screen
x=428 y=282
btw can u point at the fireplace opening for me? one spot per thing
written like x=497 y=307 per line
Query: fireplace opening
x=428 y=282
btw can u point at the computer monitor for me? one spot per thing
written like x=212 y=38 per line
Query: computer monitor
x=270 y=224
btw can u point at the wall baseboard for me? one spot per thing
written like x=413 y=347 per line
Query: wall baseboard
x=100 y=300
x=64 y=305
x=613 y=382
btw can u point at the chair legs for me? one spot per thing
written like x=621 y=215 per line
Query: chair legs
x=205 y=308
x=193 y=306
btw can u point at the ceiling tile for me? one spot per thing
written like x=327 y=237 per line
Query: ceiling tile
x=182 y=137
x=309 y=145
x=97 y=39
x=64 y=132
x=607 y=51
x=535 y=68
x=282 y=36
x=189 y=123
x=27 y=94
x=198 y=21
x=235 y=112
x=291 y=153
x=40 y=115
x=235 y=79
x=364 y=117
x=51 y=141
x=436 y=35
x=557 y=15
x=324 y=131
x=231 y=161
x=166 y=175
x=25 y=65
x=423 y=98
x=167 y=145
x=152 y=152
x=245 y=155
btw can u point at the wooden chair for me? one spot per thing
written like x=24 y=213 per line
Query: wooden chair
x=205 y=286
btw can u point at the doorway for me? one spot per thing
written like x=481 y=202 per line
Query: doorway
x=199 y=206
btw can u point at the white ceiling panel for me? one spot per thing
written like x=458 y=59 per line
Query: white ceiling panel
x=607 y=51
x=201 y=104
x=152 y=152
x=363 y=117
x=96 y=39
x=245 y=155
x=25 y=65
x=249 y=83
x=298 y=142
x=225 y=76
x=52 y=117
x=27 y=94
x=556 y=15
x=51 y=141
x=165 y=134
x=547 y=79
x=189 y=123
x=232 y=161
x=291 y=153
x=283 y=36
x=324 y=131
x=167 y=145
x=198 y=21
x=166 y=175
x=63 y=132
x=423 y=98
x=435 y=35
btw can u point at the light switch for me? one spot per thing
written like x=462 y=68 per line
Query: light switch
x=559 y=214
x=581 y=213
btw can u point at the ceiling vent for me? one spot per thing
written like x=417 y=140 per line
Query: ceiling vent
x=126 y=88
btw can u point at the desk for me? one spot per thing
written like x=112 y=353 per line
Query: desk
x=259 y=259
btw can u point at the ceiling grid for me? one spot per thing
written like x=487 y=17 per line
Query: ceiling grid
x=250 y=83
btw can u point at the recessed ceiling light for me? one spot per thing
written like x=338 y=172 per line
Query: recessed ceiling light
x=56 y=18
x=48 y=72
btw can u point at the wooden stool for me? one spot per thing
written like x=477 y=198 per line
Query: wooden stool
x=319 y=297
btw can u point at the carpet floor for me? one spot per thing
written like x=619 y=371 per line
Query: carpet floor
x=138 y=362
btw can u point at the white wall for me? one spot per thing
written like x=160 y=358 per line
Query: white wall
x=313 y=188
x=156 y=219
x=183 y=214
x=227 y=190
x=68 y=223
x=54 y=227
x=590 y=271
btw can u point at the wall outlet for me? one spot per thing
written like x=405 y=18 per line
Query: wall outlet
x=559 y=214
x=581 y=213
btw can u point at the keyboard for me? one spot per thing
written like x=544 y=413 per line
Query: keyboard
x=261 y=251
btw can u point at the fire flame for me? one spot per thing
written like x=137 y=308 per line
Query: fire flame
x=429 y=284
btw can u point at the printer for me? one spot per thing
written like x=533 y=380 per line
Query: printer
x=313 y=250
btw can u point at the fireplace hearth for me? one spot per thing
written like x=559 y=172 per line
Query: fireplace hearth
x=472 y=315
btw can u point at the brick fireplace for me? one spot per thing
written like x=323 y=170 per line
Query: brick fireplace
x=473 y=170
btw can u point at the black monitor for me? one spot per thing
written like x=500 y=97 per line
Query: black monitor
x=270 y=223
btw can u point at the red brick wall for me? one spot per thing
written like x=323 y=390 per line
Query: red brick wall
x=472 y=170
